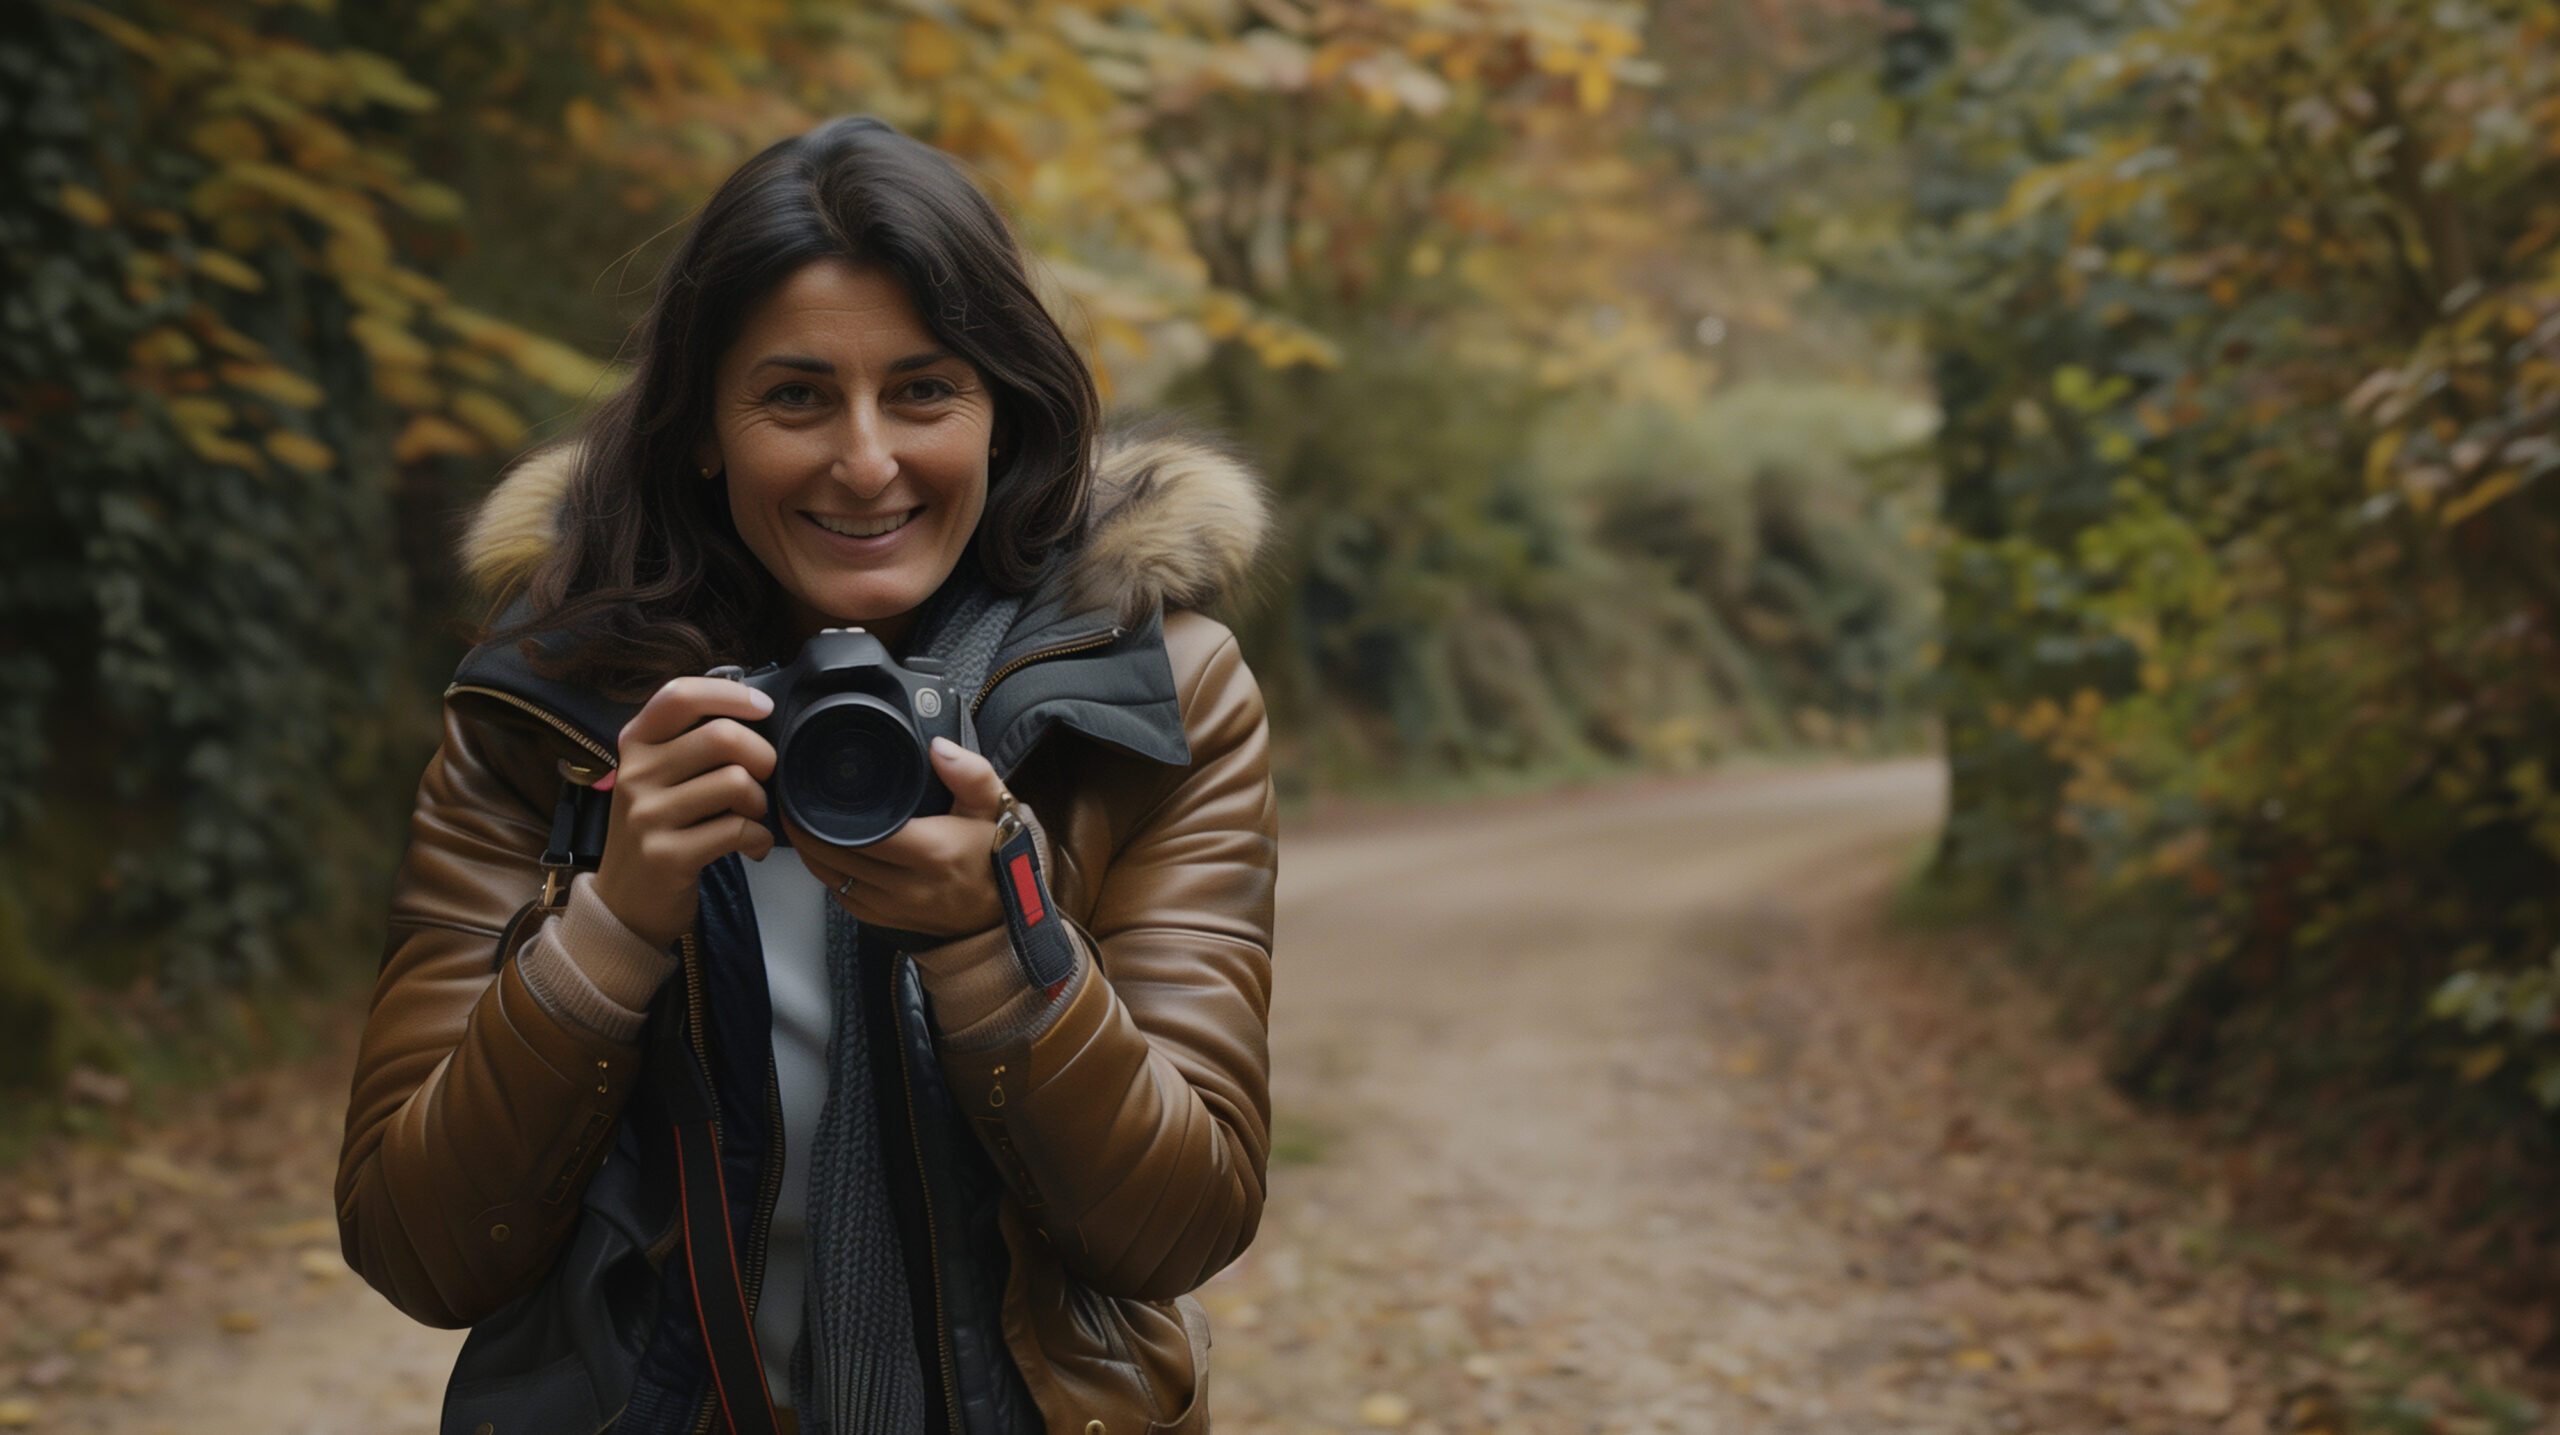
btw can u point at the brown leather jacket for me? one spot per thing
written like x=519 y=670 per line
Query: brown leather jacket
x=1131 y=1133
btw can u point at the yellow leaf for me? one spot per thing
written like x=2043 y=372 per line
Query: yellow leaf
x=582 y=121
x=489 y=417
x=305 y=453
x=85 y=205
x=387 y=343
x=214 y=448
x=469 y=364
x=1591 y=86
x=380 y=80
x=927 y=51
x=199 y=413
x=2487 y=491
x=164 y=348
x=2378 y=458
x=1975 y=1358
x=427 y=436
x=431 y=201
x=210 y=328
x=228 y=139
x=225 y=269
x=1385 y=1411
x=408 y=388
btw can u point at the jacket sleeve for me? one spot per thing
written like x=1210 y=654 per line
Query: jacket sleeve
x=477 y=1112
x=1135 y=1125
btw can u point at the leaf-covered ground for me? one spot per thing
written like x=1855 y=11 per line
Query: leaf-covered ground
x=1612 y=1112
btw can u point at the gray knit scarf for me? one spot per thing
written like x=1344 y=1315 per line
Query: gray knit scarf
x=857 y=1369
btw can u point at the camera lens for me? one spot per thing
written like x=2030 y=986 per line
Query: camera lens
x=852 y=770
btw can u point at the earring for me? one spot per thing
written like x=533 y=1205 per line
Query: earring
x=708 y=474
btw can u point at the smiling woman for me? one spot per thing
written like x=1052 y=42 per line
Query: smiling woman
x=936 y=1134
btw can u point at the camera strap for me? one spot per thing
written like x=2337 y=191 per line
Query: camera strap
x=1040 y=941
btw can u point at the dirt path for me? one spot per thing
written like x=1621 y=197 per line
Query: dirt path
x=1610 y=1112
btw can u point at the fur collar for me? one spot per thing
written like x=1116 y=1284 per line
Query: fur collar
x=1175 y=521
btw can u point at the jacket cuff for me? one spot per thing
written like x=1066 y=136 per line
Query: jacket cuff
x=588 y=969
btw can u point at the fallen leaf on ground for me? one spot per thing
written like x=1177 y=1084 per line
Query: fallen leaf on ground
x=1976 y=1358
x=17 y=1411
x=321 y=1264
x=160 y=1171
x=2205 y=1387
x=300 y=1233
x=240 y=1322
x=1385 y=1411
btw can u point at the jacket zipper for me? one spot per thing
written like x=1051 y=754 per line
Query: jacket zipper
x=1102 y=639
x=771 y=1192
x=549 y=718
x=932 y=1230
x=697 y=1016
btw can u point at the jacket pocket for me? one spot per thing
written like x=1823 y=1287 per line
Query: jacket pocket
x=1193 y=1418
x=1127 y=1366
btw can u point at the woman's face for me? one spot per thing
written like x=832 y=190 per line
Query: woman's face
x=855 y=447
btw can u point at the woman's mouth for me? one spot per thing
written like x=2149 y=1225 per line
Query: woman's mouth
x=864 y=527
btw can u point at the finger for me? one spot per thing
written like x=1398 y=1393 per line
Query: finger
x=720 y=742
x=723 y=791
x=975 y=790
x=680 y=703
x=690 y=849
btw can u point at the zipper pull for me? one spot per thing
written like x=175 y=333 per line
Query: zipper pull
x=1009 y=824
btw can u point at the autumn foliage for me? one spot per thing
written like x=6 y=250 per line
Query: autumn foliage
x=2251 y=371
x=287 y=281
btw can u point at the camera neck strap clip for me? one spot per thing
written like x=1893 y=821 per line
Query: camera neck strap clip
x=1040 y=941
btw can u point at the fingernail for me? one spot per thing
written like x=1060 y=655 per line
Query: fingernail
x=945 y=747
x=604 y=783
x=763 y=700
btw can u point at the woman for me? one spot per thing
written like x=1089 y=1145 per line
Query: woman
x=699 y=1131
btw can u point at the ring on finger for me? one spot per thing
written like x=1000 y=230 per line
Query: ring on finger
x=845 y=888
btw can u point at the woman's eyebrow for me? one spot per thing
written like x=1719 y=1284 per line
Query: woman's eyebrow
x=802 y=362
x=925 y=360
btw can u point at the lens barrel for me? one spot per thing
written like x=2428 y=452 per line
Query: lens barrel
x=851 y=770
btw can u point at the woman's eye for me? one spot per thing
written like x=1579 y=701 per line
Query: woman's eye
x=793 y=396
x=930 y=390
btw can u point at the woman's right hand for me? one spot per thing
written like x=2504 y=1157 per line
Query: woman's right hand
x=689 y=789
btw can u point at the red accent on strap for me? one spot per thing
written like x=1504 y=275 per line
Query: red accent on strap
x=1052 y=990
x=1026 y=889
x=693 y=1277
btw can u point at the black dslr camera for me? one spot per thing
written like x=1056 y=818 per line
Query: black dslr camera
x=850 y=731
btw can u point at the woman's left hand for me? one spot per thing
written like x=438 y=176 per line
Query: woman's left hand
x=933 y=875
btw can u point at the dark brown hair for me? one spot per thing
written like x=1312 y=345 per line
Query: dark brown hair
x=649 y=578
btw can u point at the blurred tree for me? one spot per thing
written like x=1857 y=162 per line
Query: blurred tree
x=2251 y=428
x=216 y=354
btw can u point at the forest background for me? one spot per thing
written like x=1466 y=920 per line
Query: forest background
x=2152 y=403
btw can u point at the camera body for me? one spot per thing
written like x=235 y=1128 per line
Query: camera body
x=851 y=729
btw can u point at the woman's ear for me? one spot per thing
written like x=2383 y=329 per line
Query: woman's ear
x=706 y=460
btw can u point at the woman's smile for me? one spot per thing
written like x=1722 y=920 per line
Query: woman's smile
x=863 y=527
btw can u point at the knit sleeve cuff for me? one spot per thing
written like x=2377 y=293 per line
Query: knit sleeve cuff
x=585 y=967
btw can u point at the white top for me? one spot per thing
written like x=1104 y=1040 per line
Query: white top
x=791 y=918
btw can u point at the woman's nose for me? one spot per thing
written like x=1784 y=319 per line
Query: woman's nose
x=866 y=461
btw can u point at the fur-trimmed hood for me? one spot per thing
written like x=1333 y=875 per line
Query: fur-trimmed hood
x=1175 y=521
